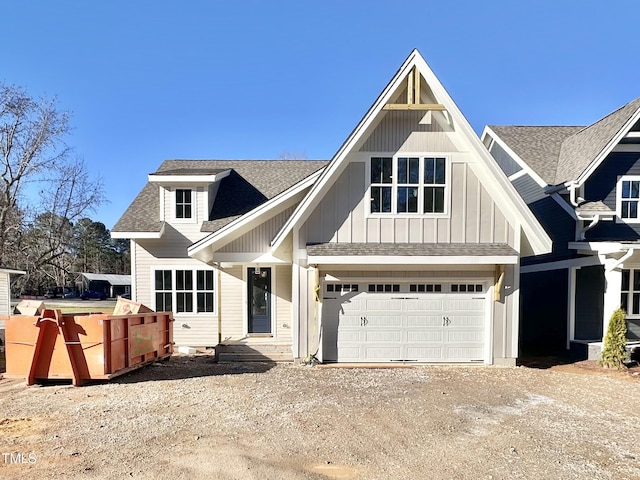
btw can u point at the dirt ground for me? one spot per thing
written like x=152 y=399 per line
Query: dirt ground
x=192 y=418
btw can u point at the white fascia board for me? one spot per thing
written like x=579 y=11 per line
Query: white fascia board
x=608 y=148
x=304 y=209
x=247 y=221
x=411 y=260
x=138 y=235
x=524 y=165
x=506 y=195
x=12 y=272
x=173 y=179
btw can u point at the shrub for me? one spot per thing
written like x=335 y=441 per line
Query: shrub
x=613 y=351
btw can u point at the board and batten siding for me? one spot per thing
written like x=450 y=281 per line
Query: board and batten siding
x=410 y=131
x=341 y=216
x=283 y=312
x=259 y=238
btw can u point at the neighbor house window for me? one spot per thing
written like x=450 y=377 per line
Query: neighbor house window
x=192 y=291
x=630 y=291
x=184 y=204
x=408 y=185
x=628 y=197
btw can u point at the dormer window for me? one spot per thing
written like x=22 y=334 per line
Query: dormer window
x=628 y=198
x=184 y=205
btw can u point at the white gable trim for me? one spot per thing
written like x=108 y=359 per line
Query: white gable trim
x=249 y=220
x=582 y=178
x=505 y=195
x=526 y=169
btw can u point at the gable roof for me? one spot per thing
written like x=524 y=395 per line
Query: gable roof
x=249 y=184
x=561 y=154
x=537 y=146
x=489 y=173
x=585 y=147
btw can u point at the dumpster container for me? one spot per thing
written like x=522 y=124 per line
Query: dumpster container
x=94 y=346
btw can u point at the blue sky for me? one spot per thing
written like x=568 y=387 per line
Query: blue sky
x=148 y=80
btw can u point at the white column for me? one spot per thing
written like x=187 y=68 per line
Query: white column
x=571 y=306
x=613 y=285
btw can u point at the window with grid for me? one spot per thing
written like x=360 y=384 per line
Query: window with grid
x=164 y=289
x=381 y=184
x=192 y=291
x=184 y=204
x=408 y=185
x=434 y=184
x=184 y=291
x=204 y=291
x=630 y=291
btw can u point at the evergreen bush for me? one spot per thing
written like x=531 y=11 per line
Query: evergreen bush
x=613 y=351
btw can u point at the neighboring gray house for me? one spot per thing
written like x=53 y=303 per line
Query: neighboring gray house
x=5 y=296
x=404 y=247
x=112 y=284
x=583 y=185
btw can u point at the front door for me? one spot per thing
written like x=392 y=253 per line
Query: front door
x=259 y=295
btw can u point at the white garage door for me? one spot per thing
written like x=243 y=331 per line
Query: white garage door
x=373 y=322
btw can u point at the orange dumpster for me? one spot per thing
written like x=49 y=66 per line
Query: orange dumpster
x=95 y=346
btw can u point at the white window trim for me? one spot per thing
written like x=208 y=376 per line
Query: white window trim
x=194 y=205
x=625 y=178
x=421 y=185
x=174 y=292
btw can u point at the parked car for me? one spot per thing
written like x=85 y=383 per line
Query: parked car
x=93 y=295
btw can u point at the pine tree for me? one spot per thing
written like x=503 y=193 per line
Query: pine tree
x=614 y=352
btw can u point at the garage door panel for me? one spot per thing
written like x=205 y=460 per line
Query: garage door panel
x=425 y=353
x=465 y=304
x=374 y=321
x=424 y=321
x=383 y=304
x=422 y=305
x=466 y=320
x=464 y=354
x=403 y=325
x=378 y=353
x=465 y=336
x=383 y=335
x=435 y=336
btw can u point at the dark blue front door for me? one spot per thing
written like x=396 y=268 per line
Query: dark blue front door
x=259 y=295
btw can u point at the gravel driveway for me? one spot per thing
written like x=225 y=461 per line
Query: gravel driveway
x=191 y=418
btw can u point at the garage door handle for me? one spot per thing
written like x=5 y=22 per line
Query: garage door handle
x=363 y=321
x=446 y=321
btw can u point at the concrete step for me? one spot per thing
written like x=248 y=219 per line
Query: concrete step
x=255 y=352
x=234 y=357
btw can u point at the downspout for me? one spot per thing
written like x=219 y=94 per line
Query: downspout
x=594 y=221
x=621 y=260
x=219 y=305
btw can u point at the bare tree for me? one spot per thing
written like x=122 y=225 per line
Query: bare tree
x=44 y=187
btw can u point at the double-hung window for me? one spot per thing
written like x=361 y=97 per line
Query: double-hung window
x=184 y=205
x=184 y=291
x=628 y=198
x=381 y=184
x=630 y=291
x=411 y=184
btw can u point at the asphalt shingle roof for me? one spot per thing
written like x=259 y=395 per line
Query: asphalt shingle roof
x=561 y=154
x=410 y=249
x=250 y=183
x=538 y=146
